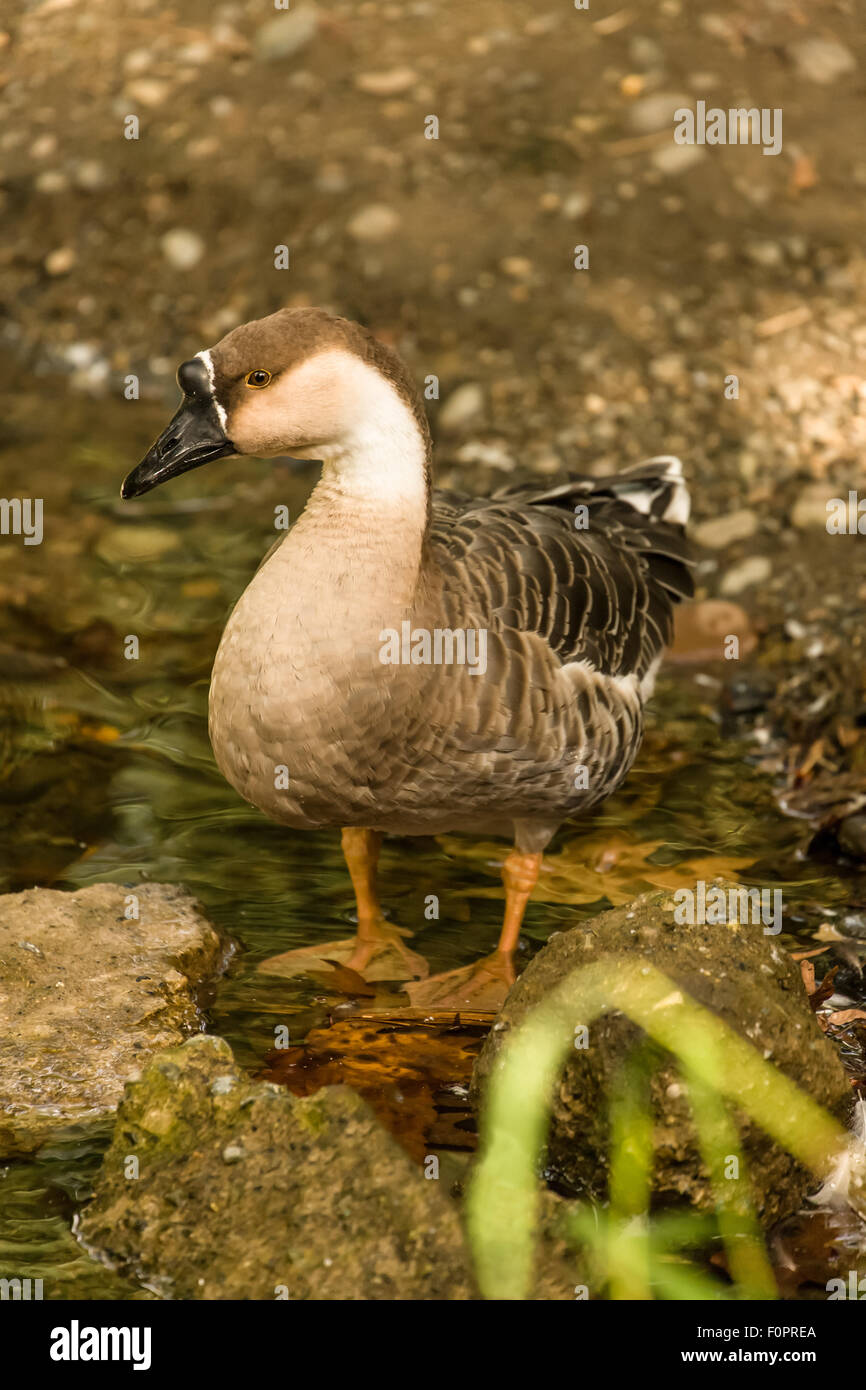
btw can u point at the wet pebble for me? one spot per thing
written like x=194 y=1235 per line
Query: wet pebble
x=768 y=254
x=182 y=248
x=331 y=178
x=702 y=629
x=462 y=405
x=852 y=835
x=91 y=175
x=43 y=147
x=376 y=222
x=148 y=91
x=391 y=83
x=576 y=205
x=130 y=544
x=675 y=159
x=822 y=60
x=654 y=112
x=60 y=261
x=809 y=512
x=644 y=52
x=755 y=570
x=286 y=35
x=721 y=531
x=668 y=368
x=51 y=181
x=518 y=267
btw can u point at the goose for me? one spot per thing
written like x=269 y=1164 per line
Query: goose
x=414 y=662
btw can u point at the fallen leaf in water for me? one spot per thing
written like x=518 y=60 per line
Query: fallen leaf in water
x=818 y=993
x=811 y=1246
x=612 y=866
x=804 y=955
x=407 y=1072
x=814 y=756
x=845 y=1016
x=343 y=980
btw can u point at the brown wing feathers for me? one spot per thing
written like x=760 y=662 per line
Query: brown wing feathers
x=604 y=594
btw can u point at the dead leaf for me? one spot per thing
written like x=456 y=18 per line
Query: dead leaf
x=819 y=994
x=842 y=1016
x=813 y=756
x=804 y=955
x=414 y=1076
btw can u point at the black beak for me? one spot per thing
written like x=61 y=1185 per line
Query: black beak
x=193 y=437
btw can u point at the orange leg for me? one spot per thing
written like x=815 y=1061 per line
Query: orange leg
x=377 y=950
x=361 y=853
x=485 y=984
x=520 y=875
x=375 y=937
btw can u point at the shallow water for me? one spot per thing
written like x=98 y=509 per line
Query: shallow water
x=108 y=775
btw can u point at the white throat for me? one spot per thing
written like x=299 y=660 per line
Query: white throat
x=382 y=458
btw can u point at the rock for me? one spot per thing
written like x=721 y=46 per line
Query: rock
x=746 y=979
x=668 y=368
x=51 y=181
x=809 y=512
x=386 y=84
x=702 y=630
x=645 y=52
x=461 y=406
x=768 y=254
x=88 y=996
x=577 y=205
x=287 y=34
x=91 y=175
x=331 y=178
x=61 y=261
x=721 y=531
x=755 y=570
x=656 y=111
x=376 y=222
x=148 y=91
x=518 y=267
x=822 y=60
x=490 y=453
x=128 y=545
x=852 y=835
x=182 y=248
x=246 y=1191
x=559 y=1265
x=676 y=159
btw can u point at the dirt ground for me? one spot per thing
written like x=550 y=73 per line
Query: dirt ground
x=306 y=128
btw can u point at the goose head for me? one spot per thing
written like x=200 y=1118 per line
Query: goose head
x=301 y=383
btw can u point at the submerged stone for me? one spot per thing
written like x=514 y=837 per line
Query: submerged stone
x=216 y=1192
x=92 y=984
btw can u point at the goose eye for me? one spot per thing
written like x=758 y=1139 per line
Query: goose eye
x=257 y=379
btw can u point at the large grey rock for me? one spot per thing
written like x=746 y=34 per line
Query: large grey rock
x=242 y=1190
x=737 y=972
x=87 y=995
